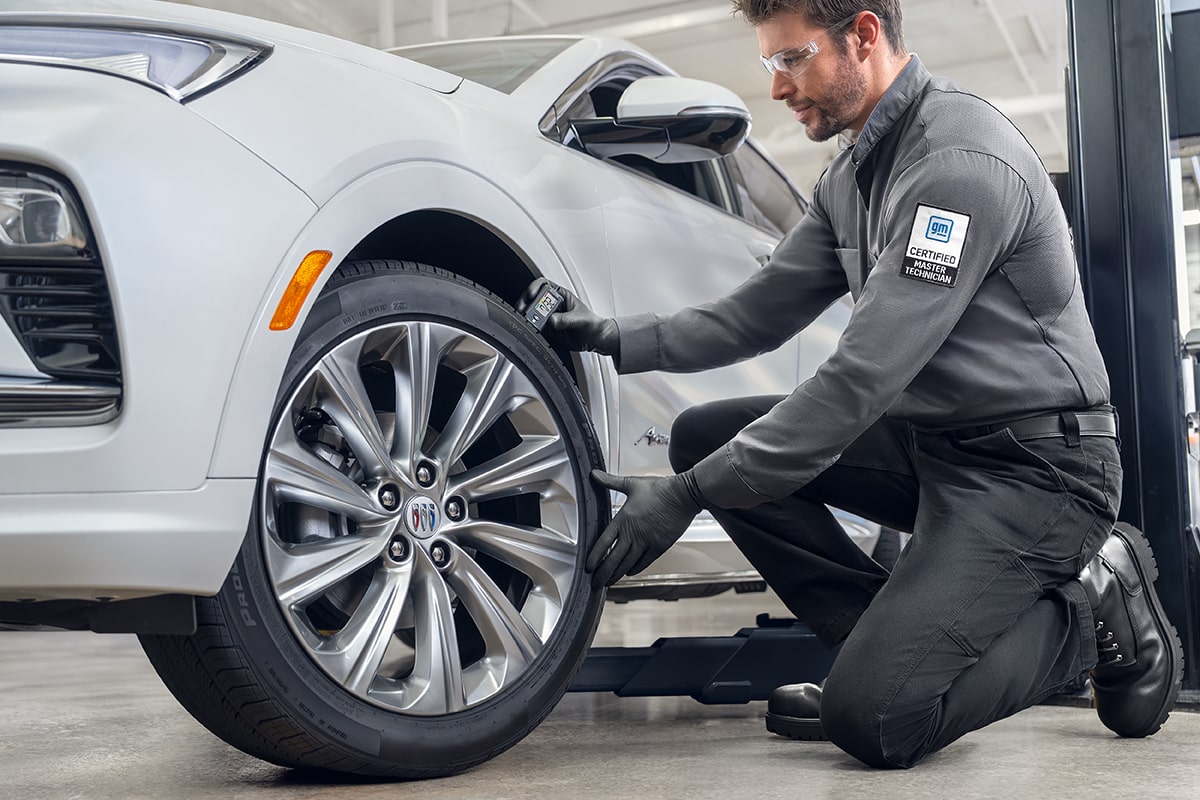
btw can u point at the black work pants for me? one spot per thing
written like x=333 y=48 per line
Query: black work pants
x=982 y=616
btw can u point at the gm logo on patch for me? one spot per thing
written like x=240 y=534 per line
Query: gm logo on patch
x=940 y=229
x=935 y=246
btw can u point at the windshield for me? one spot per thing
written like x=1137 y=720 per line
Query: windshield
x=502 y=64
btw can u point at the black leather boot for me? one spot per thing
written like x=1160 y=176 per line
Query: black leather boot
x=1136 y=681
x=794 y=711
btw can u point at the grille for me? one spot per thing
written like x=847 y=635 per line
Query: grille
x=62 y=312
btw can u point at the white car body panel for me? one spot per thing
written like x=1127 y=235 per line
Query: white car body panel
x=146 y=13
x=697 y=254
x=314 y=149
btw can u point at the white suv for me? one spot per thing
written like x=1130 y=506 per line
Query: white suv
x=264 y=399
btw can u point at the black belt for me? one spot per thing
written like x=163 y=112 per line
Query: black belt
x=1099 y=421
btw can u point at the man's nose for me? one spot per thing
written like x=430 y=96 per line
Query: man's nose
x=781 y=86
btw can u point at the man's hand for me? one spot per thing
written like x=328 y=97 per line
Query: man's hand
x=574 y=326
x=655 y=515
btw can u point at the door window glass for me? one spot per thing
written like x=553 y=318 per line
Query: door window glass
x=765 y=197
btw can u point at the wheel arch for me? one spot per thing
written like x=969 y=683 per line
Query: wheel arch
x=456 y=242
x=434 y=213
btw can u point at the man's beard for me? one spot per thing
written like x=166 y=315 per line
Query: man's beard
x=837 y=110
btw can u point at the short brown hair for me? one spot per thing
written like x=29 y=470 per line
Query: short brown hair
x=826 y=13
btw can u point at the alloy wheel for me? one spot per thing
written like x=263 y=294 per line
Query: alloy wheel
x=420 y=515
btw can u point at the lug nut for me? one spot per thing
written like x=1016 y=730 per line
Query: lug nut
x=398 y=549
x=456 y=510
x=440 y=555
x=389 y=497
x=425 y=475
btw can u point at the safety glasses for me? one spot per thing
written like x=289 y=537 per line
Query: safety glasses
x=793 y=61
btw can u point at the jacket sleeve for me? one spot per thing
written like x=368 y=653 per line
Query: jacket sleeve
x=800 y=281
x=949 y=201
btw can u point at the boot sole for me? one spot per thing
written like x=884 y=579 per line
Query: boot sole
x=802 y=729
x=1147 y=567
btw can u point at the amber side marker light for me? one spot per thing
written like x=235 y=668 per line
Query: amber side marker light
x=297 y=291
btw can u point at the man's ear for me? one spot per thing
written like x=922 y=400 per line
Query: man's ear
x=866 y=34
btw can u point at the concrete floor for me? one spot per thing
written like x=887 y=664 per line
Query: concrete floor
x=84 y=716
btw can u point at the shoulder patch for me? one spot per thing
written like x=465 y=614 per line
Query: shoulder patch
x=935 y=247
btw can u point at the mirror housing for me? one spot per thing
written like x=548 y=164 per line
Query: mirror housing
x=670 y=120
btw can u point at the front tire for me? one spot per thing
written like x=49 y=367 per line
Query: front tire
x=410 y=598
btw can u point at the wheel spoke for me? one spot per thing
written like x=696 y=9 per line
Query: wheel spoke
x=353 y=654
x=342 y=394
x=303 y=572
x=295 y=474
x=494 y=388
x=436 y=679
x=546 y=557
x=537 y=465
x=506 y=633
x=415 y=359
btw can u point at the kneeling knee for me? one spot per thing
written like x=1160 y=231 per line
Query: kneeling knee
x=850 y=719
x=691 y=436
x=887 y=732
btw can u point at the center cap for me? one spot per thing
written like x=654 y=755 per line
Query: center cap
x=422 y=517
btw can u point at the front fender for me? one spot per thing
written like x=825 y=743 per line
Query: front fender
x=344 y=221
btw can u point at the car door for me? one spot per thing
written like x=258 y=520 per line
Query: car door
x=769 y=200
x=675 y=239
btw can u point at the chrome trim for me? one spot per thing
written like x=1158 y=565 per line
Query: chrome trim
x=653 y=437
x=53 y=404
x=713 y=110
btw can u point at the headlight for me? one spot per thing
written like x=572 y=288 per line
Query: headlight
x=181 y=65
x=38 y=217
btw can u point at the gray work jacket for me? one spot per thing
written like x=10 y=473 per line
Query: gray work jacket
x=945 y=229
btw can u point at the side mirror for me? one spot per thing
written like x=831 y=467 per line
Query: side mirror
x=669 y=120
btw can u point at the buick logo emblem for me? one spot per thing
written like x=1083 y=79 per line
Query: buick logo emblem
x=422 y=516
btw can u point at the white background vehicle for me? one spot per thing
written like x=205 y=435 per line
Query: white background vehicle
x=258 y=360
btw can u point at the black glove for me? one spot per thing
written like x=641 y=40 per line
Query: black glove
x=574 y=326
x=656 y=513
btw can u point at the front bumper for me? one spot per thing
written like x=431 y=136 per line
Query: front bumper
x=121 y=545
x=191 y=229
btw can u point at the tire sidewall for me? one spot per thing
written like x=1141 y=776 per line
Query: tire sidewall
x=339 y=719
